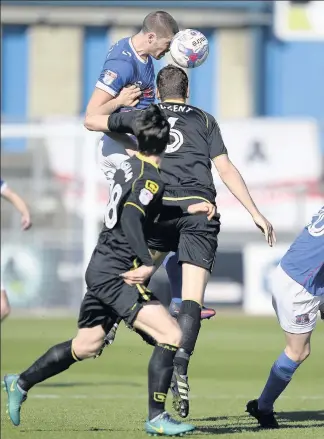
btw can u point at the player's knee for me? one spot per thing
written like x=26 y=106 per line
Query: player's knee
x=87 y=344
x=172 y=335
x=86 y=348
x=298 y=353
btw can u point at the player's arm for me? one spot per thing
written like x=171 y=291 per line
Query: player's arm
x=11 y=196
x=134 y=214
x=232 y=178
x=117 y=122
x=106 y=98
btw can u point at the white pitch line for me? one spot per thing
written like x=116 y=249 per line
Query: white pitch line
x=121 y=396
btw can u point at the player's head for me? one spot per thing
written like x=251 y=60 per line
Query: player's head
x=172 y=83
x=159 y=28
x=152 y=131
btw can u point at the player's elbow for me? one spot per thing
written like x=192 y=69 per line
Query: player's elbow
x=88 y=122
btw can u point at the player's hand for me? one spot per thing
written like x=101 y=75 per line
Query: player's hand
x=203 y=207
x=139 y=275
x=25 y=221
x=266 y=228
x=129 y=96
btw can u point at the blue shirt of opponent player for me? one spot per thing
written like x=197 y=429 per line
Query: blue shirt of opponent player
x=3 y=185
x=123 y=66
x=304 y=261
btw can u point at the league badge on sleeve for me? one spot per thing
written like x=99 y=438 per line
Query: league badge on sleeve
x=145 y=197
x=109 y=77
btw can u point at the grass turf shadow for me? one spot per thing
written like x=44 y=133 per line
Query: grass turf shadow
x=247 y=423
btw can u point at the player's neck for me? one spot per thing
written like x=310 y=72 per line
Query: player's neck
x=139 y=46
x=154 y=160
x=177 y=101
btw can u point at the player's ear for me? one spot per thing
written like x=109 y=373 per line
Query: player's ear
x=151 y=37
x=188 y=92
x=157 y=94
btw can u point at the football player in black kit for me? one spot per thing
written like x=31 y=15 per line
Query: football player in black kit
x=195 y=141
x=134 y=203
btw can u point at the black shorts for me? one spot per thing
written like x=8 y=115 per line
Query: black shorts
x=103 y=304
x=192 y=235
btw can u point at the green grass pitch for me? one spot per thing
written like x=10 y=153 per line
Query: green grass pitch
x=106 y=397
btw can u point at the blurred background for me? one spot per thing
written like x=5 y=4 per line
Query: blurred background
x=263 y=81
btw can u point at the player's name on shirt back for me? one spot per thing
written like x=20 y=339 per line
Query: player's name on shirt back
x=176 y=107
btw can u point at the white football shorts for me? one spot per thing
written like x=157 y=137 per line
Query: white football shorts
x=295 y=307
x=111 y=152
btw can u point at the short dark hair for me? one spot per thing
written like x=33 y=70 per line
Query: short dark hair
x=172 y=82
x=152 y=130
x=161 y=23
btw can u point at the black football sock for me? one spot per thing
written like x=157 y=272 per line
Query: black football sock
x=189 y=322
x=159 y=377
x=57 y=359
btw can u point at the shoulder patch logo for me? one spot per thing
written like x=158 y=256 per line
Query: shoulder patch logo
x=145 y=196
x=151 y=186
x=109 y=77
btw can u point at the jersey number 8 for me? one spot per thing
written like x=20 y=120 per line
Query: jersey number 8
x=176 y=135
x=111 y=209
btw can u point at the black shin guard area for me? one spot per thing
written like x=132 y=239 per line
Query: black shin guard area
x=159 y=374
x=189 y=322
x=57 y=359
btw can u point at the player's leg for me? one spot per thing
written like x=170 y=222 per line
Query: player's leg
x=296 y=310
x=111 y=152
x=158 y=258
x=93 y=324
x=154 y=320
x=174 y=272
x=197 y=248
x=140 y=310
x=5 y=306
x=194 y=283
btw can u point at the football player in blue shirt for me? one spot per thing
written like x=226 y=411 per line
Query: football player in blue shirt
x=11 y=196
x=298 y=295
x=128 y=80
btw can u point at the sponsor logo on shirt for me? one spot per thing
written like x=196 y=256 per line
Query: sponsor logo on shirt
x=148 y=93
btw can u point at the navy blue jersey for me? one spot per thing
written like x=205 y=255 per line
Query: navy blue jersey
x=304 y=261
x=122 y=67
x=3 y=185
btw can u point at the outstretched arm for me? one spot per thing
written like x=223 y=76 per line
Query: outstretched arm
x=19 y=204
x=235 y=183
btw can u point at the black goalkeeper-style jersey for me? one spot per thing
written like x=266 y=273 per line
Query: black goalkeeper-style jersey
x=195 y=140
x=135 y=201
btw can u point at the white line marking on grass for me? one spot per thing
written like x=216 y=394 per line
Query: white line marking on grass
x=121 y=396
